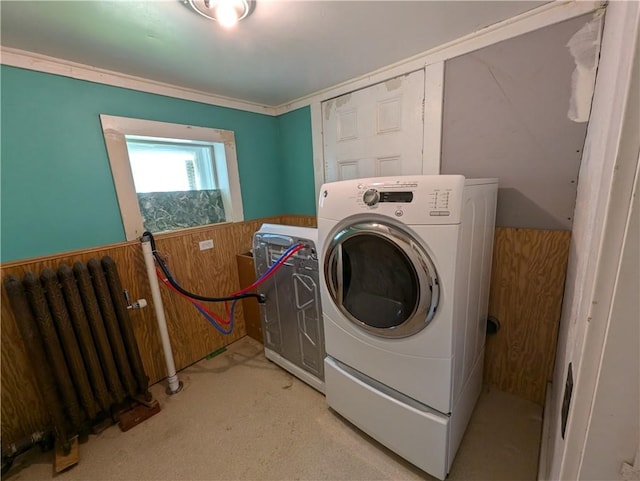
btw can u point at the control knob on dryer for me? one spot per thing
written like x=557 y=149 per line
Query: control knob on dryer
x=371 y=197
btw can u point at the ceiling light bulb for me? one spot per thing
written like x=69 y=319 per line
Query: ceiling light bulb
x=226 y=14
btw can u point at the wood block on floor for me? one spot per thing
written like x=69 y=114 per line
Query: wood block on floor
x=61 y=461
x=137 y=414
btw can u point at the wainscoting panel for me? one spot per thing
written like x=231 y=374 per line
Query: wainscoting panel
x=212 y=272
x=527 y=285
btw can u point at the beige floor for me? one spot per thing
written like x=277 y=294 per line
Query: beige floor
x=240 y=417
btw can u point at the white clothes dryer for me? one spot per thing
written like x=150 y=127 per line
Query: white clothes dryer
x=405 y=270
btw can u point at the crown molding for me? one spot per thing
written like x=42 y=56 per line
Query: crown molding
x=543 y=16
x=42 y=63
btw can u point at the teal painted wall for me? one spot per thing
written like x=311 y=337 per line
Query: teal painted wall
x=297 y=160
x=57 y=192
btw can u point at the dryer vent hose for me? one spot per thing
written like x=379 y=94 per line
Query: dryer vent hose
x=493 y=326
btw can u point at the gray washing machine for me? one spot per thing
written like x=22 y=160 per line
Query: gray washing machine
x=291 y=314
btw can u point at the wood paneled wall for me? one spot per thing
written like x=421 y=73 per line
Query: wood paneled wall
x=211 y=272
x=526 y=296
x=527 y=286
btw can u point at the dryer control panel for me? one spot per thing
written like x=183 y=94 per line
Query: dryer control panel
x=427 y=199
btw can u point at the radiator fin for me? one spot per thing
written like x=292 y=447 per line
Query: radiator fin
x=78 y=335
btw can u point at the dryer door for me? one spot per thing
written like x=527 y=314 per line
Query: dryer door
x=381 y=279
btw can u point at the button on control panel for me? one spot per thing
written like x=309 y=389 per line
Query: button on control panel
x=371 y=197
x=439 y=202
x=439 y=199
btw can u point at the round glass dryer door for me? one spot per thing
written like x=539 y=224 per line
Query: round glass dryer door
x=381 y=279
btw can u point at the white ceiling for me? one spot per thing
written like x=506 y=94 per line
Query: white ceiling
x=284 y=51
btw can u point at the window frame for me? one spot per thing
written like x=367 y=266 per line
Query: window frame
x=227 y=175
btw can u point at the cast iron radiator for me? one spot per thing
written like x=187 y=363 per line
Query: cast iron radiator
x=77 y=333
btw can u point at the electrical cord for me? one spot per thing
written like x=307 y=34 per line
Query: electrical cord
x=211 y=317
x=198 y=305
x=215 y=320
x=179 y=288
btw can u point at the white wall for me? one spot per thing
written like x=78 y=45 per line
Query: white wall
x=606 y=173
x=506 y=115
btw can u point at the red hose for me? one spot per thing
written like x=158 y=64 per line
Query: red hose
x=193 y=301
x=273 y=271
x=241 y=291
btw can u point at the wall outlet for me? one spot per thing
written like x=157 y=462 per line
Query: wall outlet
x=206 y=244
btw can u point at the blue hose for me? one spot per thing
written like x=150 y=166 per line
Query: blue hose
x=282 y=256
x=213 y=322
x=228 y=331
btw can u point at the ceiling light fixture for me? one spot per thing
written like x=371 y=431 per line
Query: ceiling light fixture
x=226 y=12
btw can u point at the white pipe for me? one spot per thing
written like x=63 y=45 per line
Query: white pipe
x=172 y=377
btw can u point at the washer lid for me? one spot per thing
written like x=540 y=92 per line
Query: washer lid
x=381 y=278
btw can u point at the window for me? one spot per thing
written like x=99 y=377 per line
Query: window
x=161 y=166
x=171 y=176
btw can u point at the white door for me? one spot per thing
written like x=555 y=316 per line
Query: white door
x=376 y=131
x=613 y=435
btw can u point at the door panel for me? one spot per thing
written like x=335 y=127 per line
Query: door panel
x=388 y=166
x=376 y=131
x=348 y=169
